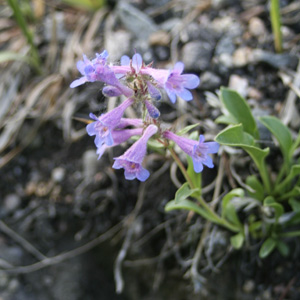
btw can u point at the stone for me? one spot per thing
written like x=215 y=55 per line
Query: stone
x=11 y=202
x=279 y=61
x=257 y=27
x=249 y=286
x=209 y=81
x=197 y=55
x=136 y=21
x=241 y=57
x=90 y=164
x=225 y=45
x=58 y=174
x=239 y=84
x=118 y=43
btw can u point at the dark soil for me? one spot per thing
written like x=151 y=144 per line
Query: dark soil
x=58 y=197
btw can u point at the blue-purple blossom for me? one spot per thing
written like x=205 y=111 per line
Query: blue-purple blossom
x=198 y=151
x=132 y=159
x=98 y=70
x=104 y=124
x=178 y=84
x=174 y=82
x=87 y=68
x=119 y=136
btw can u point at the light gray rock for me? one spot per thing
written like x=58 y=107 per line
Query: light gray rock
x=11 y=202
x=197 y=55
x=118 y=43
x=209 y=81
x=279 y=61
x=136 y=21
x=225 y=45
x=58 y=174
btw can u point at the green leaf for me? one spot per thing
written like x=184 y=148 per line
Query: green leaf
x=240 y=110
x=295 y=170
x=293 y=193
x=228 y=209
x=229 y=196
x=187 y=129
x=226 y=119
x=267 y=247
x=278 y=208
x=283 y=248
x=256 y=185
x=235 y=136
x=184 y=192
x=192 y=206
x=237 y=240
x=294 y=204
x=281 y=133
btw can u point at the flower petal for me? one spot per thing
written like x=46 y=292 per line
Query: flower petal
x=143 y=174
x=125 y=60
x=78 y=82
x=137 y=62
x=178 y=68
x=191 y=81
x=185 y=94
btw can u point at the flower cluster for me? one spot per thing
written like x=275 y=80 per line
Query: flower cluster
x=139 y=83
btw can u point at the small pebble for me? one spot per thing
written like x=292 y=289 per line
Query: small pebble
x=118 y=43
x=241 y=57
x=58 y=174
x=249 y=286
x=209 y=81
x=257 y=27
x=90 y=164
x=12 y=202
x=197 y=55
x=254 y=93
x=239 y=84
x=3 y=279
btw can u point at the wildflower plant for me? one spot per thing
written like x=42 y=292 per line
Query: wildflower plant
x=272 y=206
x=140 y=84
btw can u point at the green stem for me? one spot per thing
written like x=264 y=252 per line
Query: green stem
x=23 y=25
x=290 y=234
x=182 y=168
x=218 y=219
x=276 y=25
x=265 y=177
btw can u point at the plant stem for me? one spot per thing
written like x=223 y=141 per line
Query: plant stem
x=290 y=234
x=218 y=219
x=28 y=35
x=182 y=168
x=276 y=25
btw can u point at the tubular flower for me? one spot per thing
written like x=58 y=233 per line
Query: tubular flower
x=119 y=137
x=106 y=123
x=178 y=84
x=132 y=159
x=198 y=151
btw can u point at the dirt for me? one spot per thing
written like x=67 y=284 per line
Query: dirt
x=56 y=197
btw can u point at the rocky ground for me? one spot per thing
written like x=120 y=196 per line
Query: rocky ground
x=71 y=227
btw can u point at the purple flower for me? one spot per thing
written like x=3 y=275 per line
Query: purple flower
x=98 y=70
x=106 y=123
x=87 y=68
x=119 y=137
x=198 y=151
x=132 y=159
x=178 y=84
